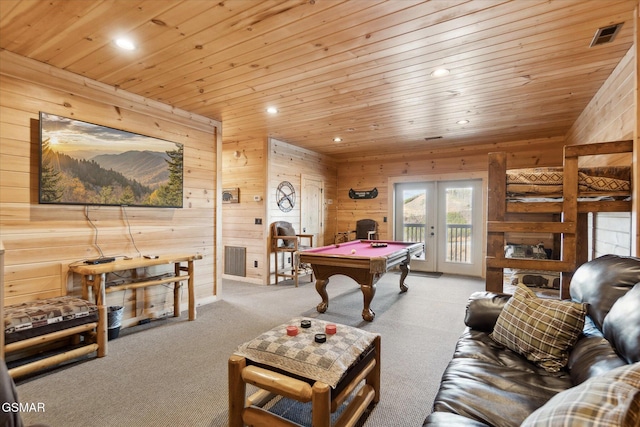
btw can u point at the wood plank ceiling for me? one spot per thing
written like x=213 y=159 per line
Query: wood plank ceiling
x=357 y=69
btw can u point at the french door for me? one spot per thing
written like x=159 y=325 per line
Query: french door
x=447 y=217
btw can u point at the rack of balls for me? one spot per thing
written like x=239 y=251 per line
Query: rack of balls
x=378 y=245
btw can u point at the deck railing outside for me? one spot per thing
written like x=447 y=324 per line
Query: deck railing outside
x=413 y=233
x=458 y=240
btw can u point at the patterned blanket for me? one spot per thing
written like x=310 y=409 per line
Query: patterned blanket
x=327 y=362
x=549 y=180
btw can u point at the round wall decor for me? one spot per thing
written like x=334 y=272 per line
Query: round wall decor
x=286 y=196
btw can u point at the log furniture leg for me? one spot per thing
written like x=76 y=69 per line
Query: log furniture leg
x=192 y=292
x=101 y=331
x=320 y=405
x=176 y=292
x=237 y=390
x=373 y=378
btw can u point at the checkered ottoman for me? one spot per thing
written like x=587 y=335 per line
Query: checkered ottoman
x=326 y=373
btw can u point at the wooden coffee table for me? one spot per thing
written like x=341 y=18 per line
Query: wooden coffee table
x=325 y=374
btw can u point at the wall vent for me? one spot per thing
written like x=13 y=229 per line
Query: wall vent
x=235 y=261
x=605 y=34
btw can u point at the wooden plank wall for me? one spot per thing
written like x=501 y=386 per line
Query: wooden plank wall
x=257 y=170
x=247 y=171
x=367 y=173
x=612 y=115
x=290 y=163
x=42 y=240
x=611 y=234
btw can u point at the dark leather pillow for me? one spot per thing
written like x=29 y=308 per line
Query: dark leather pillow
x=590 y=357
x=600 y=282
x=621 y=326
x=483 y=310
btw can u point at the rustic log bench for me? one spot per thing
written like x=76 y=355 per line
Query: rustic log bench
x=29 y=326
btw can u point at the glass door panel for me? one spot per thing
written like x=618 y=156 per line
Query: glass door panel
x=459 y=223
x=414 y=216
x=460 y=227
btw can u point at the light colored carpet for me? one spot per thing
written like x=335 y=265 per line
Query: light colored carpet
x=174 y=372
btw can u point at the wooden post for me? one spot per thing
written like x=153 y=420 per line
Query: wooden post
x=496 y=208
x=237 y=390
x=101 y=331
x=99 y=290
x=176 y=292
x=192 y=292
x=569 y=215
x=373 y=379
x=321 y=405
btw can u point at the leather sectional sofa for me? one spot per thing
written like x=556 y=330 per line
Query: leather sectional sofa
x=596 y=381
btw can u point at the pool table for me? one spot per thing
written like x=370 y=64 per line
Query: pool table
x=365 y=261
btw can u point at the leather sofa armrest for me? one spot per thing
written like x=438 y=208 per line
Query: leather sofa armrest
x=483 y=310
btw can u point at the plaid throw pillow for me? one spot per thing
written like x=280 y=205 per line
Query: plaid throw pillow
x=610 y=399
x=542 y=330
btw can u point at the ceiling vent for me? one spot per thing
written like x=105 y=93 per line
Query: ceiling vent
x=605 y=34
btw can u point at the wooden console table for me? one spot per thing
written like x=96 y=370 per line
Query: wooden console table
x=94 y=277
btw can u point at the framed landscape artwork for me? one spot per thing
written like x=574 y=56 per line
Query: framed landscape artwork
x=83 y=163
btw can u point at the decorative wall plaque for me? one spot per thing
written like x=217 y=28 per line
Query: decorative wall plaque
x=231 y=195
x=363 y=194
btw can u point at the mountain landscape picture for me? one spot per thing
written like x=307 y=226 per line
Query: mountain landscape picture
x=88 y=164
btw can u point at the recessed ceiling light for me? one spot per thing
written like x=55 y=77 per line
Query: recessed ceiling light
x=440 y=72
x=462 y=122
x=272 y=110
x=337 y=139
x=125 y=44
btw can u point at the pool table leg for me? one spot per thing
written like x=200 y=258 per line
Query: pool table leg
x=404 y=268
x=321 y=287
x=368 y=292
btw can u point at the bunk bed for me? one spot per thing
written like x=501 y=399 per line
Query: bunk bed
x=568 y=194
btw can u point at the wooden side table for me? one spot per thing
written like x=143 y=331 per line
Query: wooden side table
x=94 y=278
